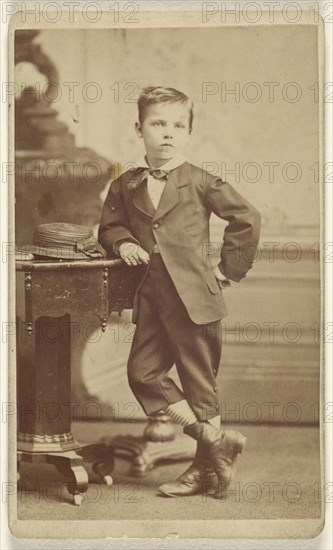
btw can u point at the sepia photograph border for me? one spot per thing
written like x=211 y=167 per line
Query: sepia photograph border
x=214 y=529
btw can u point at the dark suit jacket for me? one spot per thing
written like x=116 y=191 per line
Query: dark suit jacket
x=180 y=227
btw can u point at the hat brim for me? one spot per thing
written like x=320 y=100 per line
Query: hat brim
x=56 y=253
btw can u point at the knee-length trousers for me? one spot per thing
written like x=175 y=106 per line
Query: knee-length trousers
x=165 y=335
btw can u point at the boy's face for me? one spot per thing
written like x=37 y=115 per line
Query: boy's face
x=165 y=131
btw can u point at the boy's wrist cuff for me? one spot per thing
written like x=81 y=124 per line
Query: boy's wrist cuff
x=218 y=274
x=220 y=268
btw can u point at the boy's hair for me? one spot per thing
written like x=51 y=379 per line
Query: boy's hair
x=158 y=94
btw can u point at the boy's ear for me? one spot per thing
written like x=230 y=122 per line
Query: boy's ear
x=138 y=129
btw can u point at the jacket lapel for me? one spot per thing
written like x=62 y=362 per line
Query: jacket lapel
x=141 y=199
x=171 y=195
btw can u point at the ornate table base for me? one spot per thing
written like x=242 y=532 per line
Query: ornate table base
x=147 y=453
x=44 y=406
x=69 y=462
x=158 y=443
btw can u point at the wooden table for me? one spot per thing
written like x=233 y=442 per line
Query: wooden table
x=48 y=294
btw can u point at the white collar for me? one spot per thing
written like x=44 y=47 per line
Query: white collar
x=171 y=164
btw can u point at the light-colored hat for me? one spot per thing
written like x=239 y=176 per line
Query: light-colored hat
x=65 y=241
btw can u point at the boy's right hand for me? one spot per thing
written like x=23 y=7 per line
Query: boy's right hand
x=133 y=254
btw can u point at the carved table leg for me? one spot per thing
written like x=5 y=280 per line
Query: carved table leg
x=79 y=485
x=68 y=463
x=71 y=465
x=101 y=458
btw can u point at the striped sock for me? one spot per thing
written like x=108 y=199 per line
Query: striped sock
x=181 y=412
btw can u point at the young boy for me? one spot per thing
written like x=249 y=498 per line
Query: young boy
x=158 y=214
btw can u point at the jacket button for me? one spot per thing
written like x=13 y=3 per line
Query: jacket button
x=214 y=371
x=155 y=226
x=215 y=389
x=217 y=407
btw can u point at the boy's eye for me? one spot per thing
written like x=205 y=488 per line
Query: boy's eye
x=179 y=125
x=158 y=123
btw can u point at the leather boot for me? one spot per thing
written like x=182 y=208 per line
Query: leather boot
x=221 y=449
x=232 y=443
x=198 y=478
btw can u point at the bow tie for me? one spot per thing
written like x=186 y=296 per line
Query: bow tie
x=157 y=173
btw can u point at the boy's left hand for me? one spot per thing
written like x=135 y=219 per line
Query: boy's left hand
x=221 y=280
x=132 y=254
